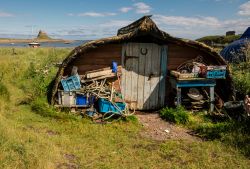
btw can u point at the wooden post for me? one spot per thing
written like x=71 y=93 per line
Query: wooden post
x=178 y=96
x=211 y=99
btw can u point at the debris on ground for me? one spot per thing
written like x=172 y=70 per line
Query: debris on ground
x=93 y=94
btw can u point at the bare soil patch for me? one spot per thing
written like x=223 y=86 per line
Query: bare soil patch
x=157 y=129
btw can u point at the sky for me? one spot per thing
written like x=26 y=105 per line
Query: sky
x=93 y=19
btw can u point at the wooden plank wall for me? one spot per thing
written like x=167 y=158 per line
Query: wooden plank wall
x=141 y=83
x=103 y=56
x=163 y=74
x=147 y=79
x=141 y=75
x=180 y=54
x=97 y=58
x=155 y=77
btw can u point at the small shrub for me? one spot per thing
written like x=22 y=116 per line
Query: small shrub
x=178 y=115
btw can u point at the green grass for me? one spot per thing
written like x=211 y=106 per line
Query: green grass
x=178 y=115
x=218 y=39
x=35 y=135
x=241 y=77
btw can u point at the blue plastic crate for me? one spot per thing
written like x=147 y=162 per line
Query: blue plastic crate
x=216 y=74
x=71 y=83
x=106 y=106
x=81 y=100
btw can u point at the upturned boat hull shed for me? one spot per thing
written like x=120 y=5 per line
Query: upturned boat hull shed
x=145 y=56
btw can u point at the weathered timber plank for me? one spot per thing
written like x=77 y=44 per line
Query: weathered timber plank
x=123 y=76
x=141 y=71
x=154 y=80
x=163 y=76
x=99 y=73
x=128 y=69
x=134 y=75
x=147 y=73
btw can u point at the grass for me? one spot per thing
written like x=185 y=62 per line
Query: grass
x=232 y=133
x=241 y=76
x=219 y=39
x=35 y=135
x=178 y=115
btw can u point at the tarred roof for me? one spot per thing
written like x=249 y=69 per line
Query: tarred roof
x=246 y=34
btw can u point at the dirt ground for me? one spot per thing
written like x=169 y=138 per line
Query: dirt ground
x=157 y=129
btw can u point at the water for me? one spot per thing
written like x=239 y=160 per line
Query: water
x=48 y=44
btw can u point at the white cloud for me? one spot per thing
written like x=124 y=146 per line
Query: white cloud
x=125 y=9
x=96 y=14
x=195 y=27
x=142 y=8
x=179 y=26
x=70 y=14
x=6 y=14
x=187 y=21
x=116 y=23
x=89 y=31
x=245 y=9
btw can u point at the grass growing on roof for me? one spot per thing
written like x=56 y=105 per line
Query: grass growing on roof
x=35 y=135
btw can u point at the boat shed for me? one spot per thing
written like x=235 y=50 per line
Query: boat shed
x=145 y=56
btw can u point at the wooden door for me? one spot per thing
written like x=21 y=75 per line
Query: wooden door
x=143 y=75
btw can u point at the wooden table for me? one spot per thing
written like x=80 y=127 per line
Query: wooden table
x=178 y=84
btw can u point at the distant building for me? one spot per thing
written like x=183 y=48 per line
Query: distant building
x=229 y=33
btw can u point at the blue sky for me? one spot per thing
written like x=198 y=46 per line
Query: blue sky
x=92 y=19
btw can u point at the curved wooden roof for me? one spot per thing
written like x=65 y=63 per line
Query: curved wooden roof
x=143 y=26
